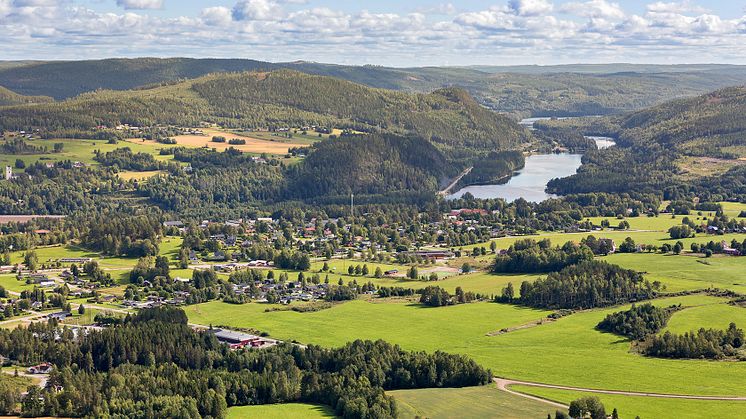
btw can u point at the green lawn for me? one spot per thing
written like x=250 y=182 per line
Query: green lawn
x=715 y=316
x=647 y=407
x=568 y=351
x=733 y=209
x=80 y=150
x=281 y=411
x=19 y=383
x=468 y=402
x=680 y=272
x=10 y=283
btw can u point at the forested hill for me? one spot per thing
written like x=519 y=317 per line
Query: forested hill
x=448 y=117
x=372 y=165
x=686 y=148
x=538 y=91
x=8 y=98
x=694 y=126
x=65 y=79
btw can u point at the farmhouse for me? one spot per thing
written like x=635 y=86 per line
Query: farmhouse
x=59 y=316
x=43 y=368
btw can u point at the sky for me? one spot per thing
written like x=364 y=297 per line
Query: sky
x=384 y=32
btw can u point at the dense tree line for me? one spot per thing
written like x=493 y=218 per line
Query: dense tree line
x=704 y=343
x=637 y=322
x=125 y=159
x=530 y=256
x=586 y=285
x=154 y=365
x=435 y=296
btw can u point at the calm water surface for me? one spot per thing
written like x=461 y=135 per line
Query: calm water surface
x=530 y=182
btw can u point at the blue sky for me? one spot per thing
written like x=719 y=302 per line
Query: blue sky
x=385 y=32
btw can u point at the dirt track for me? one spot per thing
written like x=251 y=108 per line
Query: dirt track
x=503 y=383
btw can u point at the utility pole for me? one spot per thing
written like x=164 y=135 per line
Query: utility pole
x=352 y=205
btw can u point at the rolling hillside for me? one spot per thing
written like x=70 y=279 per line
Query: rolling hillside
x=519 y=90
x=448 y=117
x=9 y=98
x=694 y=147
x=700 y=126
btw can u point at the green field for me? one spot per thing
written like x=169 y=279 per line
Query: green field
x=568 y=351
x=10 y=283
x=681 y=272
x=468 y=402
x=716 y=316
x=80 y=150
x=733 y=209
x=20 y=383
x=646 y=407
x=281 y=411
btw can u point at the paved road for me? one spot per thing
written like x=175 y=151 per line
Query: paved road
x=503 y=383
x=448 y=188
x=30 y=317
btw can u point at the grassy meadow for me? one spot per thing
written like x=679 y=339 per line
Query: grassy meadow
x=467 y=402
x=568 y=351
x=646 y=407
x=281 y=411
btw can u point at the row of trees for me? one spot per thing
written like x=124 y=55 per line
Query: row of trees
x=154 y=365
x=704 y=343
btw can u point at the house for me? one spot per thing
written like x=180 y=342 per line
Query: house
x=43 y=368
x=235 y=340
x=60 y=316
x=729 y=250
x=434 y=254
x=391 y=272
x=74 y=260
x=175 y=223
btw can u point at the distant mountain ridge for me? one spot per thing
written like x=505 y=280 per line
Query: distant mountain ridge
x=520 y=90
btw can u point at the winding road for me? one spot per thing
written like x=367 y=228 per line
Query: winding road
x=504 y=383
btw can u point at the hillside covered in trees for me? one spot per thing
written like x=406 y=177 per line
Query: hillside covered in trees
x=527 y=90
x=659 y=149
x=9 y=98
x=448 y=117
x=155 y=366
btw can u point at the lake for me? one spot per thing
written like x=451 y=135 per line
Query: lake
x=530 y=182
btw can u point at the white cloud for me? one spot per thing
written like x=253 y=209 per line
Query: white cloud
x=283 y=30
x=530 y=7
x=595 y=9
x=216 y=16
x=140 y=4
x=675 y=7
x=257 y=10
x=5 y=7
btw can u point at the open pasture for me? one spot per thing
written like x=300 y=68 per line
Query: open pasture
x=645 y=407
x=281 y=411
x=683 y=272
x=253 y=145
x=708 y=316
x=80 y=150
x=468 y=402
x=568 y=351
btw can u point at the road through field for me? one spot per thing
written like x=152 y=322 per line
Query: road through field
x=503 y=383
